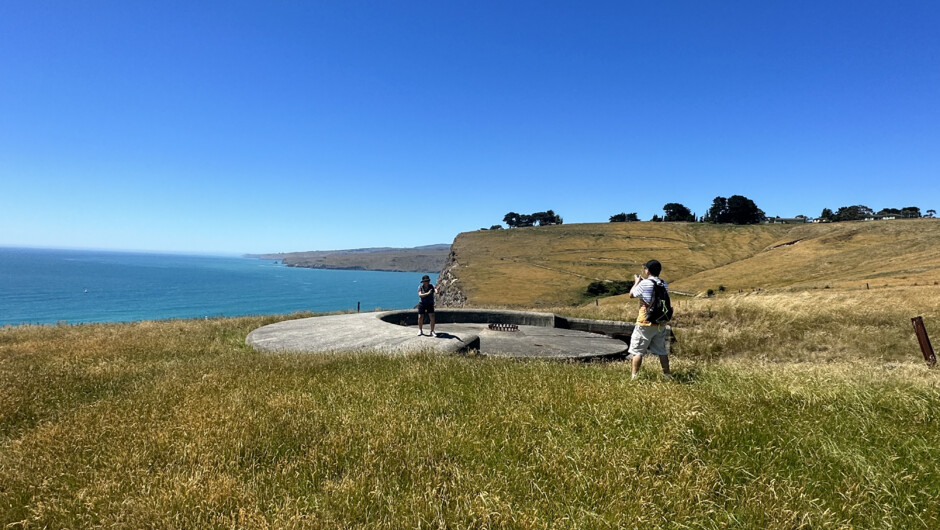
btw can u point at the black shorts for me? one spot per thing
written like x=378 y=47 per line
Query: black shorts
x=425 y=309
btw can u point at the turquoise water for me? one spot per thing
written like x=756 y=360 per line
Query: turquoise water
x=41 y=286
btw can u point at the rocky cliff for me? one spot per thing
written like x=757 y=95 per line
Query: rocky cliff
x=448 y=286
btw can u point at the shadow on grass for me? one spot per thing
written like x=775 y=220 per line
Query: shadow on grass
x=686 y=376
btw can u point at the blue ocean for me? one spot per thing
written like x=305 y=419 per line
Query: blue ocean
x=42 y=286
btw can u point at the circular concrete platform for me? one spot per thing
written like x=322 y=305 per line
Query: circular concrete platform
x=539 y=335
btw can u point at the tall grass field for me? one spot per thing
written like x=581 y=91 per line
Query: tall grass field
x=784 y=412
x=550 y=266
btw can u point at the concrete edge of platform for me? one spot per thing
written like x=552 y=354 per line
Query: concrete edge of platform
x=357 y=332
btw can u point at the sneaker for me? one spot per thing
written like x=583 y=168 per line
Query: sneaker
x=432 y=334
x=420 y=333
x=633 y=377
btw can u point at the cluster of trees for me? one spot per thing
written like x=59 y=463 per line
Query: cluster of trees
x=737 y=209
x=677 y=212
x=859 y=212
x=624 y=218
x=740 y=210
x=516 y=220
x=674 y=212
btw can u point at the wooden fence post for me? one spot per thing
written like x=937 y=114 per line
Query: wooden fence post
x=924 y=341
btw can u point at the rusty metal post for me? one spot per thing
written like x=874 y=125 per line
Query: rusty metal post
x=924 y=341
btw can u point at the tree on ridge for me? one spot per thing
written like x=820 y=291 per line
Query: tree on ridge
x=736 y=209
x=677 y=212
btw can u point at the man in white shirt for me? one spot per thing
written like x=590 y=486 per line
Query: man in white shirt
x=647 y=338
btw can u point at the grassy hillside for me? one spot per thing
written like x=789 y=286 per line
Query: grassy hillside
x=819 y=326
x=178 y=424
x=547 y=266
x=843 y=255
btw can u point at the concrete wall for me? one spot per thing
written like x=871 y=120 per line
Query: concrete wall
x=474 y=316
x=607 y=327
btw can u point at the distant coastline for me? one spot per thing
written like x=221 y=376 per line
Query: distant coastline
x=50 y=286
x=429 y=258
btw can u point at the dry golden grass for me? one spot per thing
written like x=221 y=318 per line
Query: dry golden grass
x=551 y=266
x=178 y=424
x=871 y=325
x=848 y=255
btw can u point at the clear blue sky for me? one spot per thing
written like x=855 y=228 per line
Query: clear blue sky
x=273 y=126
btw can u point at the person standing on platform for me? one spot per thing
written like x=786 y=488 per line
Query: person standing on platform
x=426 y=293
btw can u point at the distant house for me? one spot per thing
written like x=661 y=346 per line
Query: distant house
x=788 y=220
x=881 y=218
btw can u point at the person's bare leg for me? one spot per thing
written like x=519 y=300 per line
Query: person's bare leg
x=432 y=323
x=637 y=361
x=420 y=324
x=664 y=362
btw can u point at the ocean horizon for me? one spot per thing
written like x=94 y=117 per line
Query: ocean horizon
x=52 y=286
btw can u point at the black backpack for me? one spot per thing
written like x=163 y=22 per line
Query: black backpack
x=659 y=310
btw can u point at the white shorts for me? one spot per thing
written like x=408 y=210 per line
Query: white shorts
x=648 y=340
